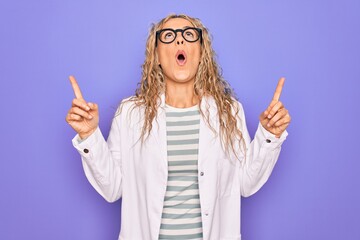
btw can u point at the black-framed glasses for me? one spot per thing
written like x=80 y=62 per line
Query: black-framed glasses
x=168 y=35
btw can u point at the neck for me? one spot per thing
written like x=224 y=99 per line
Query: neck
x=181 y=95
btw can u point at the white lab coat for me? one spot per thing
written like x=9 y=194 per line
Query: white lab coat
x=122 y=167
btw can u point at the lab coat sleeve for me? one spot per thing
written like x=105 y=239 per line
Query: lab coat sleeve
x=101 y=161
x=261 y=155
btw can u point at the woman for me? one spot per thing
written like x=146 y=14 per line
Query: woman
x=179 y=153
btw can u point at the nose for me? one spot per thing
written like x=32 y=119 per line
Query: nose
x=181 y=41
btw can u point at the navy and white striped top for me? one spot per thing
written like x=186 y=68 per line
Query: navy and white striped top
x=181 y=217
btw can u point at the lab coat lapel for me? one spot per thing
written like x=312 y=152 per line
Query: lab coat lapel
x=159 y=129
x=206 y=135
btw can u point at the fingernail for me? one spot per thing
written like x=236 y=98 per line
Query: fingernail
x=90 y=117
x=269 y=116
x=268 y=125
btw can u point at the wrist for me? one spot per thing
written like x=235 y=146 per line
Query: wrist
x=87 y=134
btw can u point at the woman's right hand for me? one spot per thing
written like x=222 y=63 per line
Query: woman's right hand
x=83 y=116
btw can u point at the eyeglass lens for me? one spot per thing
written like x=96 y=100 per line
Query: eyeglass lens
x=190 y=35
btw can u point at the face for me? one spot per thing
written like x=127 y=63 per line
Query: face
x=180 y=59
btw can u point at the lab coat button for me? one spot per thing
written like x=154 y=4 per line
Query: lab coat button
x=268 y=140
x=86 y=150
x=202 y=174
x=206 y=214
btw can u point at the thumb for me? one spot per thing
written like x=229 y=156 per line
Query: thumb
x=264 y=115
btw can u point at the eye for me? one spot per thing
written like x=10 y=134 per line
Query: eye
x=189 y=34
x=168 y=35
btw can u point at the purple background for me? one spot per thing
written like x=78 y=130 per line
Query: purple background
x=314 y=192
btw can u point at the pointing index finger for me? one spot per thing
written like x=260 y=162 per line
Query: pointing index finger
x=75 y=87
x=279 y=89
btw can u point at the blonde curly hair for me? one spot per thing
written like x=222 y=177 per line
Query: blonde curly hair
x=208 y=82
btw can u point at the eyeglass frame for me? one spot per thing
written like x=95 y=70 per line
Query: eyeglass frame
x=199 y=30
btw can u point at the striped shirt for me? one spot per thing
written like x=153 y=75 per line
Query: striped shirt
x=181 y=217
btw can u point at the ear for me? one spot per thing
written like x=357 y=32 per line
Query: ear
x=157 y=58
x=157 y=62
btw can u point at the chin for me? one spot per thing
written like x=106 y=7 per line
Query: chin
x=183 y=76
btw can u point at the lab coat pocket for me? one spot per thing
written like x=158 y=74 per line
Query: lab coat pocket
x=229 y=216
x=227 y=182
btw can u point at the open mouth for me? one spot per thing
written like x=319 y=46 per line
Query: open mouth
x=181 y=58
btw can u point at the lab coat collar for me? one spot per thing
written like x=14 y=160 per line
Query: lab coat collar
x=207 y=103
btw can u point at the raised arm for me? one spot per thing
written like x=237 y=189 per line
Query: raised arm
x=263 y=151
x=101 y=160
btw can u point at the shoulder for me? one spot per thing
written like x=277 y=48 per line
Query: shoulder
x=209 y=102
x=237 y=106
x=128 y=109
x=127 y=103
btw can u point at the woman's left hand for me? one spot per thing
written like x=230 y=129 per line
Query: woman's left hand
x=276 y=118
